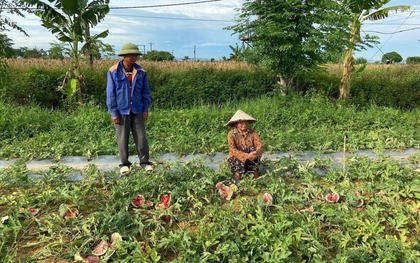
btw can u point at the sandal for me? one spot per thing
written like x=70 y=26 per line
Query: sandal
x=148 y=168
x=125 y=170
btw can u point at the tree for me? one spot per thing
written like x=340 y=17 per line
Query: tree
x=361 y=60
x=34 y=53
x=237 y=53
x=413 y=60
x=6 y=49
x=99 y=50
x=391 y=57
x=68 y=20
x=290 y=37
x=12 y=7
x=58 y=50
x=155 y=55
x=361 y=10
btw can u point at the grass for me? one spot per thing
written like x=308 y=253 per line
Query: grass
x=202 y=227
x=285 y=124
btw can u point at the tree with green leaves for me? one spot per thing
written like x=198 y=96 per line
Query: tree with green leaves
x=68 y=20
x=291 y=36
x=392 y=57
x=6 y=47
x=360 y=61
x=360 y=11
x=156 y=55
x=413 y=60
x=58 y=50
x=237 y=53
x=12 y=7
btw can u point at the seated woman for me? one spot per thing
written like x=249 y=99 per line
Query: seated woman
x=245 y=146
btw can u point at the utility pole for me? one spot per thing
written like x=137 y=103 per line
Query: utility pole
x=151 y=45
x=144 y=48
x=194 y=53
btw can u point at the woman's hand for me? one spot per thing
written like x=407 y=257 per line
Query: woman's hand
x=252 y=156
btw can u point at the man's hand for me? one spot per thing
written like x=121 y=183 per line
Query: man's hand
x=115 y=120
x=145 y=116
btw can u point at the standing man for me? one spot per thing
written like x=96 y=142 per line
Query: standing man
x=128 y=100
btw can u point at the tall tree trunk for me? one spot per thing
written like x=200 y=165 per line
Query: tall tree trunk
x=76 y=72
x=345 y=78
x=89 y=56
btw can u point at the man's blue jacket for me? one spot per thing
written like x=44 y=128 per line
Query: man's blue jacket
x=118 y=97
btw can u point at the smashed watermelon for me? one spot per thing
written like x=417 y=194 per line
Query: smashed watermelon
x=138 y=201
x=115 y=240
x=267 y=198
x=164 y=201
x=91 y=259
x=332 y=198
x=68 y=211
x=33 y=211
x=101 y=248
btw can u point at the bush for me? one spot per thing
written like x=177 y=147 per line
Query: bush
x=34 y=85
x=413 y=60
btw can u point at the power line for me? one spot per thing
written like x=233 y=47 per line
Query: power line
x=380 y=49
x=163 y=5
x=176 y=18
x=389 y=33
x=129 y=7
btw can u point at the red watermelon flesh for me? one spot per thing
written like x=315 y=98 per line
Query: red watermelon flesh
x=166 y=199
x=332 y=198
x=91 y=259
x=101 y=248
x=138 y=201
x=164 y=202
x=71 y=213
x=33 y=211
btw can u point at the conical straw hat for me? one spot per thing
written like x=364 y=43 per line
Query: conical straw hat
x=240 y=116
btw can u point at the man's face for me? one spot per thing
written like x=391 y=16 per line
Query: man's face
x=130 y=59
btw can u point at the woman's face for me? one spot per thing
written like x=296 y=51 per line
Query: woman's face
x=242 y=126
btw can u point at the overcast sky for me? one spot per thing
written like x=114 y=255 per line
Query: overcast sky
x=182 y=29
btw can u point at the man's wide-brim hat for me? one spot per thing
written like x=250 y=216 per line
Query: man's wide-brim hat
x=240 y=116
x=129 y=49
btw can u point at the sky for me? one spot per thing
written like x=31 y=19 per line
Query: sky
x=196 y=30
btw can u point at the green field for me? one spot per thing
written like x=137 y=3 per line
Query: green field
x=298 y=225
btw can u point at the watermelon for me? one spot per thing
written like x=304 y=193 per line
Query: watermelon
x=33 y=211
x=164 y=201
x=71 y=213
x=101 y=248
x=226 y=192
x=68 y=211
x=143 y=246
x=267 y=198
x=115 y=240
x=138 y=201
x=332 y=198
x=91 y=259
x=360 y=203
x=149 y=203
